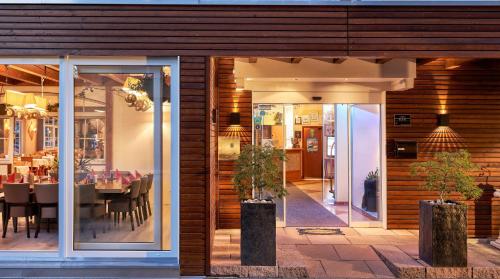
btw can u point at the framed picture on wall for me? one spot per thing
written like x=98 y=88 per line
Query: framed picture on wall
x=314 y=117
x=298 y=120
x=305 y=120
x=298 y=134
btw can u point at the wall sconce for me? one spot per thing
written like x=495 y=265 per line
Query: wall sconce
x=443 y=119
x=234 y=118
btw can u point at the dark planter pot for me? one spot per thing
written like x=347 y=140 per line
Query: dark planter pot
x=443 y=234
x=258 y=234
x=369 y=202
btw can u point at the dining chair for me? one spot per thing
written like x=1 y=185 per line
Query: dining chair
x=127 y=203
x=143 y=214
x=46 y=202
x=89 y=209
x=17 y=204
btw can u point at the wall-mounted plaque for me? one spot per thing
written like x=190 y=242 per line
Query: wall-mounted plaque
x=402 y=120
x=229 y=148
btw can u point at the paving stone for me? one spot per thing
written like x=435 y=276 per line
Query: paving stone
x=356 y=252
x=317 y=252
x=347 y=269
x=368 y=239
x=448 y=272
x=292 y=272
x=486 y=272
x=373 y=231
x=380 y=269
x=402 y=265
x=290 y=236
x=262 y=271
x=328 y=239
x=409 y=249
x=229 y=270
x=402 y=232
x=315 y=269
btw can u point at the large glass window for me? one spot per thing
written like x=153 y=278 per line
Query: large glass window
x=29 y=189
x=122 y=158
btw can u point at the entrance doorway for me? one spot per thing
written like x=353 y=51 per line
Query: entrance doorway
x=333 y=161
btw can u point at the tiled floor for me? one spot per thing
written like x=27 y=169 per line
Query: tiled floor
x=340 y=256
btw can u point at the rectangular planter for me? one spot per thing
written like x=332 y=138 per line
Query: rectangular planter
x=443 y=234
x=258 y=234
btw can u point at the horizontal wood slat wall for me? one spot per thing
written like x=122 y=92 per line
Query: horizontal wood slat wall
x=470 y=95
x=421 y=31
x=231 y=100
x=193 y=168
x=173 y=30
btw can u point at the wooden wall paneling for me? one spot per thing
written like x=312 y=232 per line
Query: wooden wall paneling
x=173 y=30
x=193 y=169
x=231 y=100
x=470 y=94
x=420 y=31
x=211 y=157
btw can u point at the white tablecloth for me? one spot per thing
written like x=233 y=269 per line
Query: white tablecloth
x=22 y=169
x=40 y=162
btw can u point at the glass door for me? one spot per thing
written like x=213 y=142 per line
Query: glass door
x=365 y=191
x=122 y=158
x=269 y=129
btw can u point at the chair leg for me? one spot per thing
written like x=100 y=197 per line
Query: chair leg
x=38 y=220
x=137 y=217
x=131 y=218
x=27 y=217
x=114 y=218
x=6 y=221
x=15 y=224
x=149 y=206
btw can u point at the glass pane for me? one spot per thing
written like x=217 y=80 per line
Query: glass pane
x=28 y=172
x=116 y=169
x=365 y=164
x=328 y=154
x=269 y=130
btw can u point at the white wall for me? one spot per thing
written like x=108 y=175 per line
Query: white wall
x=365 y=137
x=342 y=154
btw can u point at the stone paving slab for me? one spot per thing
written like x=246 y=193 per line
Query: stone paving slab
x=402 y=265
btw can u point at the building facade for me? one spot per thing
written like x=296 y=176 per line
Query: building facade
x=192 y=54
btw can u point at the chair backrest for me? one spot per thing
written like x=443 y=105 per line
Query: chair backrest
x=47 y=193
x=135 y=188
x=16 y=192
x=144 y=185
x=86 y=193
x=150 y=181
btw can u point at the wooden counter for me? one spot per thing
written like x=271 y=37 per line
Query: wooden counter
x=294 y=164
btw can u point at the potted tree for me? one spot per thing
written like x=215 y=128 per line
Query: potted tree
x=369 y=202
x=258 y=180
x=443 y=223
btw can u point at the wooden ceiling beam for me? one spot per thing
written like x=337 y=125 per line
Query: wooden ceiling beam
x=382 y=60
x=252 y=59
x=17 y=75
x=334 y=60
x=37 y=70
x=53 y=67
x=295 y=60
x=453 y=63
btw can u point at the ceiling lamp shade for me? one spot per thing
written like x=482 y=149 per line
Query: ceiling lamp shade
x=25 y=105
x=14 y=98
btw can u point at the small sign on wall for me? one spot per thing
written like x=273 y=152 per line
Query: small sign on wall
x=402 y=120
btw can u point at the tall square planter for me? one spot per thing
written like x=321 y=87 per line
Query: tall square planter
x=258 y=234
x=443 y=234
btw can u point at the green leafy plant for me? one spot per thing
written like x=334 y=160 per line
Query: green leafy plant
x=372 y=175
x=259 y=168
x=447 y=170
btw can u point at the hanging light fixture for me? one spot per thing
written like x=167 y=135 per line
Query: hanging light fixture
x=135 y=96
x=25 y=105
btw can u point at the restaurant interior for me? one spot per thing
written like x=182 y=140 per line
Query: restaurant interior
x=117 y=179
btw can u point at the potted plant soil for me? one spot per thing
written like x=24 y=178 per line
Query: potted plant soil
x=443 y=222
x=258 y=180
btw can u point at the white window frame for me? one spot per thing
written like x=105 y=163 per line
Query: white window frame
x=66 y=130
x=21 y=130
x=65 y=250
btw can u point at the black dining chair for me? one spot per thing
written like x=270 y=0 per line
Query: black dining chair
x=127 y=203
x=146 y=196
x=17 y=204
x=89 y=210
x=47 y=203
x=143 y=214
